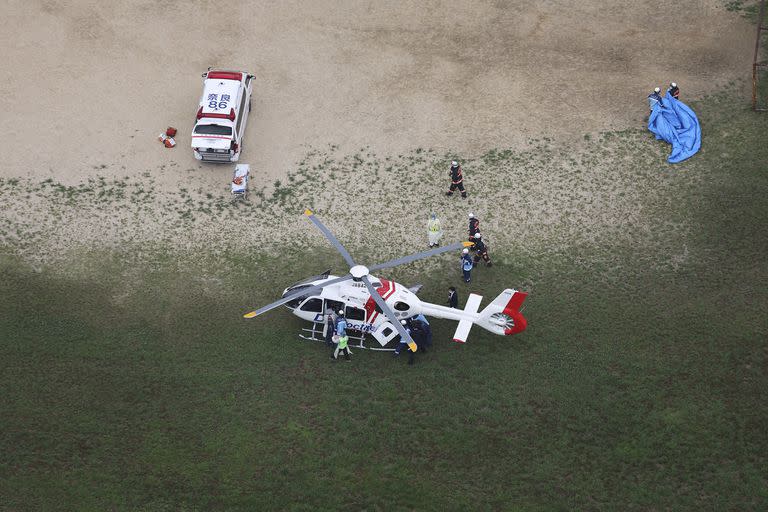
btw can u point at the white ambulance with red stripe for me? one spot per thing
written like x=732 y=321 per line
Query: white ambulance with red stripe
x=222 y=115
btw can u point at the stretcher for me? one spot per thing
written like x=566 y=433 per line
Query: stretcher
x=240 y=181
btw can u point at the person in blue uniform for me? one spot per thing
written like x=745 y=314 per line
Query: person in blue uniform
x=654 y=98
x=422 y=332
x=466 y=265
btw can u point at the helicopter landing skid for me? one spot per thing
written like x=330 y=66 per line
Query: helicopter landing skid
x=316 y=334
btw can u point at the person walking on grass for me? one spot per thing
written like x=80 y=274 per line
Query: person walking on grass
x=466 y=265
x=482 y=251
x=457 y=180
x=434 y=231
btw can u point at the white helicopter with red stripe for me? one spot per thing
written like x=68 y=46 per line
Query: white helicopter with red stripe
x=375 y=306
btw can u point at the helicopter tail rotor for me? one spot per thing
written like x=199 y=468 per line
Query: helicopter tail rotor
x=503 y=316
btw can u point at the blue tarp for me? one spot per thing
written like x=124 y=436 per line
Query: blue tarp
x=674 y=121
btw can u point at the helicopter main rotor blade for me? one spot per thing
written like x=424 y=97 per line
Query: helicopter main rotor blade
x=404 y=336
x=307 y=290
x=330 y=237
x=419 y=256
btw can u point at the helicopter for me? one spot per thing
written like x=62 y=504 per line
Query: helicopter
x=376 y=307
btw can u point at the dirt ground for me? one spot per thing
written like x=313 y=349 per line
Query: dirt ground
x=88 y=85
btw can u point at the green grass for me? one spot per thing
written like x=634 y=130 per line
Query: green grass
x=138 y=386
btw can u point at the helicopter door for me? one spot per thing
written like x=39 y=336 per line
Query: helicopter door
x=384 y=333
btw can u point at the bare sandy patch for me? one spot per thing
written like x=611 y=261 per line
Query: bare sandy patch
x=90 y=83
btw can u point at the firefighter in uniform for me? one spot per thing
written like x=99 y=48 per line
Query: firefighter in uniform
x=482 y=251
x=474 y=227
x=457 y=180
x=674 y=90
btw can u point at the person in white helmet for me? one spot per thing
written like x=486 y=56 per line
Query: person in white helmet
x=434 y=231
x=466 y=265
x=457 y=180
x=673 y=90
x=474 y=227
x=654 y=98
x=482 y=251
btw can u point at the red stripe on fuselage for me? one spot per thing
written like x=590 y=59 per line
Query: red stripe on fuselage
x=386 y=290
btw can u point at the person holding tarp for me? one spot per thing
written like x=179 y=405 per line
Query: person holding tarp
x=654 y=98
x=674 y=121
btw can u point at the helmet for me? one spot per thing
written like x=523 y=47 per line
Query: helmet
x=341 y=312
x=465 y=251
x=471 y=215
x=454 y=163
x=656 y=89
x=478 y=236
x=403 y=322
x=672 y=84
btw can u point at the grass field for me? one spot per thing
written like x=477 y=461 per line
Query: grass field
x=137 y=386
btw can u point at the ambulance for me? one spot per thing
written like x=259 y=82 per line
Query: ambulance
x=221 y=115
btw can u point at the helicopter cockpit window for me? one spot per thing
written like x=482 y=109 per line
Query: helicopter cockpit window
x=293 y=304
x=402 y=306
x=355 y=314
x=314 y=305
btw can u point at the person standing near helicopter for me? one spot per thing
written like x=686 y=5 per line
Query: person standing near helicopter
x=482 y=251
x=341 y=338
x=453 y=299
x=434 y=231
x=403 y=345
x=466 y=265
x=330 y=327
x=474 y=227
